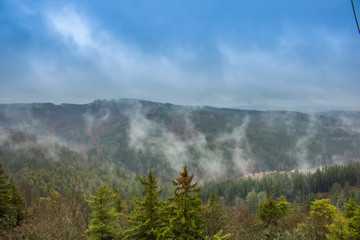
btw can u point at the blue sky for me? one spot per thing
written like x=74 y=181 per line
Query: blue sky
x=291 y=55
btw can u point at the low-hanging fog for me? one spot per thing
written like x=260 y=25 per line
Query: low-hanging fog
x=213 y=142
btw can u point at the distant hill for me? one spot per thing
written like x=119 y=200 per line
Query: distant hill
x=214 y=142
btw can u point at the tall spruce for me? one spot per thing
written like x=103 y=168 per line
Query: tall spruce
x=184 y=210
x=213 y=216
x=3 y=198
x=269 y=212
x=104 y=224
x=16 y=206
x=12 y=204
x=3 y=193
x=147 y=220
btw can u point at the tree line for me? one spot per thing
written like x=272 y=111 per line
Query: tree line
x=182 y=215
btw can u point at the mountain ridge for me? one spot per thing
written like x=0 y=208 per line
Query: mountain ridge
x=138 y=135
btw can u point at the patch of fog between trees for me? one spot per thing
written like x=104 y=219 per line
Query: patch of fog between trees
x=147 y=135
x=95 y=120
x=350 y=125
x=21 y=118
x=301 y=149
x=17 y=140
x=49 y=144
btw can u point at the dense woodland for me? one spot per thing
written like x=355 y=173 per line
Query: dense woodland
x=50 y=191
x=55 y=193
x=138 y=135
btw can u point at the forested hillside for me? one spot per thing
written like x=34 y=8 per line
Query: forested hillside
x=50 y=192
x=138 y=135
x=70 y=172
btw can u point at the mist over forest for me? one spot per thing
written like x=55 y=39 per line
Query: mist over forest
x=237 y=120
x=214 y=142
x=60 y=163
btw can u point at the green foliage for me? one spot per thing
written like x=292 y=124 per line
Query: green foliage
x=147 y=219
x=270 y=212
x=322 y=209
x=350 y=209
x=16 y=206
x=213 y=199
x=252 y=201
x=213 y=210
x=283 y=205
x=298 y=185
x=219 y=236
x=322 y=215
x=335 y=192
x=3 y=195
x=104 y=225
x=12 y=204
x=309 y=199
x=352 y=214
x=184 y=210
x=272 y=135
x=119 y=203
x=338 y=229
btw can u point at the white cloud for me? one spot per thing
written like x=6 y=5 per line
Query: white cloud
x=120 y=62
x=71 y=26
x=105 y=66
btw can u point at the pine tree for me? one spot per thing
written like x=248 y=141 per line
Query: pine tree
x=12 y=204
x=184 y=210
x=213 y=216
x=147 y=219
x=338 y=229
x=321 y=216
x=119 y=203
x=213 y=199
x=103 y=225
x=350 y=208
x=16 y=206
x=269 y=212
x=3 y=198
x=283 y=205
x=352 y=214
x=3 y=193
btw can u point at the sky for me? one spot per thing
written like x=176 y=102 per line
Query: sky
x=254 y=54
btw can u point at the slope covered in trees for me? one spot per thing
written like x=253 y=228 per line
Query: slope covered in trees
x=182 y=215
x=138 y=135
x=61 y=161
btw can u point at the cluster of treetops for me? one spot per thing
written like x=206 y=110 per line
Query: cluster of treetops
x=183 y=215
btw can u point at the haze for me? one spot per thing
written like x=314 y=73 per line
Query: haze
x=289 y=55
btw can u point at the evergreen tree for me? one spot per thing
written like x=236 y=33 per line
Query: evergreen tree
x=119 y=203
x=3 y=194
x=352 y=214
x=184 y=210
x=12 y=204
x=338 y=229
x=103 y=225
x=213 y=216
x=283 y=205
x=270 y=212
x=16 y=206
x=322 y=209
x=147 y=219
x=322 y=215
x=252 y=201
x=350 y=208
x=213 y=199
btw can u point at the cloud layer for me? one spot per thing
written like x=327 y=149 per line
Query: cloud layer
x=76 y=52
